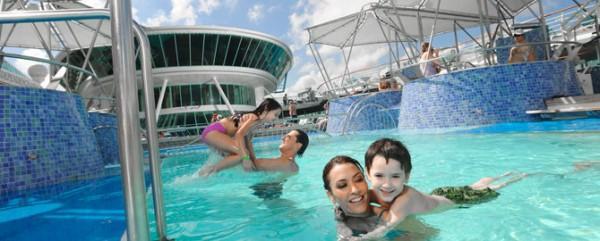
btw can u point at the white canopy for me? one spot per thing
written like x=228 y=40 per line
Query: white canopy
x=396 y=20
x=55 y=35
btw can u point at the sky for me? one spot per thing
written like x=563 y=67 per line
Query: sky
x=283 y=19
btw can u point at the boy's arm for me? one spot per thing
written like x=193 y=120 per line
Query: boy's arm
x=415 y=202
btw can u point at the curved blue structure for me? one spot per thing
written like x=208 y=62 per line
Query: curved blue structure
x=477 y=96
x=486 y=95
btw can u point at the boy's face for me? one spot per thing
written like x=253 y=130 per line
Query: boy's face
x=387 y=179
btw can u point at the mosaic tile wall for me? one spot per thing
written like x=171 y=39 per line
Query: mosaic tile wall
x=485 y=95
x=45 y=139
x=105 y=129
x=371 y=112
x=532 y=36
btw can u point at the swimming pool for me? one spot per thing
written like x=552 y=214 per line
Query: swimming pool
x=234 y=205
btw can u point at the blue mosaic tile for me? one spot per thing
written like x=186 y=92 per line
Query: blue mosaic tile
x=46 y=139
x=476 y=96
x=105 y=129
x=486 y=95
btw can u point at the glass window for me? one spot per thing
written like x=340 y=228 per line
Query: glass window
x=250 y=53
x=205 y=97
x=168 y=98
x=210 y=43
x=222 y=49
x=263 y=56
x=244 y=44
x=170 y=50
x=176 y=93
x=183 y=49
x=186 y=95
x=234 y=44
x=196 y=95
x=156 y=51
x=215 y=97
x=196 y=46
x=259 y=49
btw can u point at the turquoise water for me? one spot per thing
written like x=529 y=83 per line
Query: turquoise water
x=541 y=207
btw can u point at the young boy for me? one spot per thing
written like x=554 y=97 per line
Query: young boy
x=388 y=167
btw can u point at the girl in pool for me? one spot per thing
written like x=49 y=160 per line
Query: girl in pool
x=228 y=136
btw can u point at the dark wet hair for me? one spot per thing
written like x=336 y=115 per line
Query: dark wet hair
x=338 y=160
x=301 y=138
x=267 y=105
x=388 y=148
x=425 y=47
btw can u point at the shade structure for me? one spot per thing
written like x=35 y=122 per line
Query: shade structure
x=395 y=20
x=50 y=32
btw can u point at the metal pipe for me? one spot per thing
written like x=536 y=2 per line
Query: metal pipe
x=52 y=16
x=151 y=132
x=128 y=121
x=545 y=30
x=223 y=96
x=161 y=98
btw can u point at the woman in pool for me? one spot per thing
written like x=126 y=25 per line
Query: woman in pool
x=346 y=187
x=228 y=135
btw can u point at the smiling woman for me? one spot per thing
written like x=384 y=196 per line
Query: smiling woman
x=347 y=189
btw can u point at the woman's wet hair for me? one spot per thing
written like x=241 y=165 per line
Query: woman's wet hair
x=388 y=148
x=301 y=138
x=267 y=105
x=425 y=47
x=338 y=160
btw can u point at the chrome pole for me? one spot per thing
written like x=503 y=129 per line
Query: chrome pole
x=151 y=131
x=128 y=121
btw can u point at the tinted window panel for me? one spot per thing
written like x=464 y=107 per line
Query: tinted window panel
x=222 y=49
x=231 y=52
x=196 y=46
x=168 y=41
x=245 y=43
x=210 y=42
x=183 y=49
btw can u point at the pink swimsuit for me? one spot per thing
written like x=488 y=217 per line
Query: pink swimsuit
x=217 y=126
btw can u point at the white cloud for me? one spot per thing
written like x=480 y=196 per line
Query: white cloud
x=208 y=6
x=182 y=12
x=311 y=12
x=157 y=20
x=256 y=13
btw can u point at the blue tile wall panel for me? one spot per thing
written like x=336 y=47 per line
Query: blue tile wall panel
x=371 y=112
x=45 y=139
x=485 y=95
x=105 y=129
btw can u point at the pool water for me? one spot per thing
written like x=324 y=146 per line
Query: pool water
x=82 y=210
x=234 y=205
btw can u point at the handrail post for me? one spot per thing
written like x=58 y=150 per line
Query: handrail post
x=130 y=146
x=151 y=131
